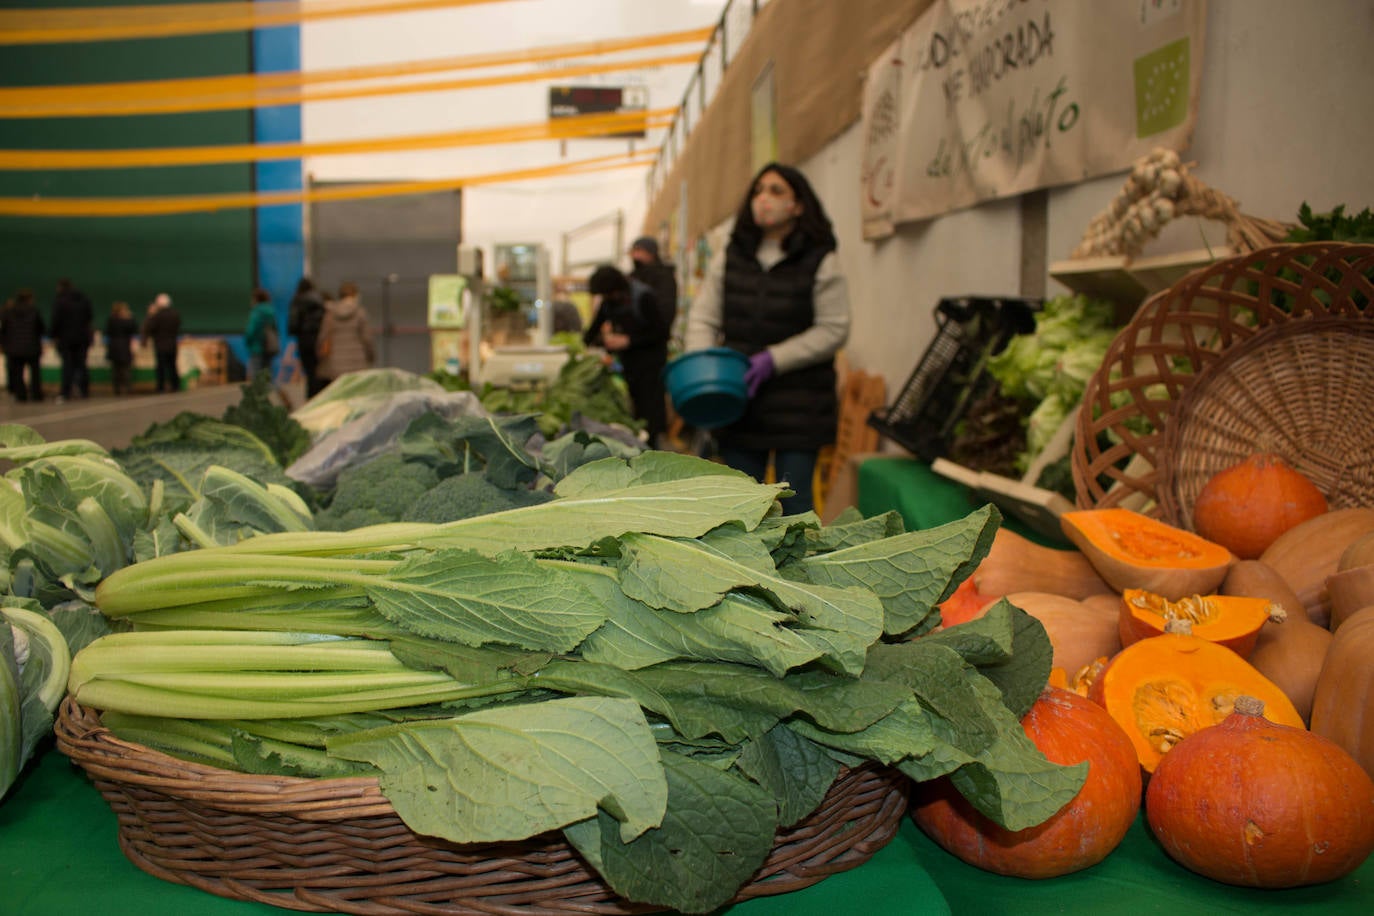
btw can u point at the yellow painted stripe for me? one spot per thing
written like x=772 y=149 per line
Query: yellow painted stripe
x=204 y=203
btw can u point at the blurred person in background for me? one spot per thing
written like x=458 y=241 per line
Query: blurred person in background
x=629 y=325
x=345 y=341
x=303 y=321
x=262 y=318
x=120 y=330
x=162 y=328
x=776 y=295
x=21 y=338
x=72 y=330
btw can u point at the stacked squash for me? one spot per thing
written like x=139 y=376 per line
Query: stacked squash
x=1210 y=656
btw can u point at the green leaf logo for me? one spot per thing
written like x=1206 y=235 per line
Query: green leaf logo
x=1161 y=88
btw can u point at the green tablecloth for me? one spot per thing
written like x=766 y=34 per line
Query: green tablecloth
x=59 y=857
x=923 y=498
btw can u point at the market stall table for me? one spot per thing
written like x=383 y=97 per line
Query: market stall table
x=59 y=856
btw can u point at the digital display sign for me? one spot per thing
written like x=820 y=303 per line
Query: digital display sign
x=572 y=101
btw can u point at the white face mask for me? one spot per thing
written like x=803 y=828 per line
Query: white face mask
x=774 y=205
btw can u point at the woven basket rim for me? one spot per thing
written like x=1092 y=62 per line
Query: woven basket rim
x=1176 y=505
x=860 y=814
x=1225 y=302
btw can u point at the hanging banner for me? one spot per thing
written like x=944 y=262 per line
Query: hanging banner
x=983 y=99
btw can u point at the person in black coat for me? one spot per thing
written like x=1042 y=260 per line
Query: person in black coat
x=21 y=338
x=303 y=321
x=120 y=330
x=629 y=324
x=658 y=275
x=72 y=330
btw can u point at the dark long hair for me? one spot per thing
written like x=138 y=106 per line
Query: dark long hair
x=813 y=229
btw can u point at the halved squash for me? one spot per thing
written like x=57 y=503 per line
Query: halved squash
x=1232 y=621
x=1162 y=689
x=1132 y=550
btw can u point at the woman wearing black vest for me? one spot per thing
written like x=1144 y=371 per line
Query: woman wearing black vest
x=776 y=294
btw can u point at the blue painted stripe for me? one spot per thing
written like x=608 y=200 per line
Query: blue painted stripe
x=280 y=229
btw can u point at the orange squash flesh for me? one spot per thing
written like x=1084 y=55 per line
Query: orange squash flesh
x=1165 y=688
x=1131 y=550
x=1227 y=620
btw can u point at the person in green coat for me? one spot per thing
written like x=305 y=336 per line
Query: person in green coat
x=261 y=335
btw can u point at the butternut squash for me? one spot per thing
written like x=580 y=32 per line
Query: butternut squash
x=1079 y=633
x=1343 y=707
x=1132 y=550
x=1289 y=653
x=1018 y=564
x=1306 y=554
x=1348 y=591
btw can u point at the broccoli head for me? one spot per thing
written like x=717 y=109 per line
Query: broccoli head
x=378 y=490
x=468 y=495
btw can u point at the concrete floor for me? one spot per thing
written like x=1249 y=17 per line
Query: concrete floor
x=113 y=421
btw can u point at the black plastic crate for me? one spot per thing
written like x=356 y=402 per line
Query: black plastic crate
x=952 y=374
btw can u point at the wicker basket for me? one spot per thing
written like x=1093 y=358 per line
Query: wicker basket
x=337 y=845
x=1268 y=350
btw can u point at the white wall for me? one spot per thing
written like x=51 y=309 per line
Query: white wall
x=1284 y=117
x=526 y=211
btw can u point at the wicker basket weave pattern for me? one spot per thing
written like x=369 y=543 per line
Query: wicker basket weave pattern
x=337 y=845
x=1267 y=350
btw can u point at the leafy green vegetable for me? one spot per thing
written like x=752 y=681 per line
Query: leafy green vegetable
x=270 y=423
x=656 y=662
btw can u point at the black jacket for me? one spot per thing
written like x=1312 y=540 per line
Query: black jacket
x=72 y=319
x=662 y=279
x=794 y=410
x=21 y=331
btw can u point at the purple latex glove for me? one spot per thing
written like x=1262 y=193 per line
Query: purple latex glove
x=760 y=370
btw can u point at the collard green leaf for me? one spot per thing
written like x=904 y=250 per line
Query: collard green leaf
x=515 y=771
x=673 y=508
x=1011 y=781
x=717 y=831
x=469 y=664
x=904 y=733
x=739 y=629
x=683 y=575
x=613 y=475
x=911 y=573
x=855 y=532
x=794 y=771
x=942 y=681
x=1009 y=647
x=462 y=596
x=718 y=698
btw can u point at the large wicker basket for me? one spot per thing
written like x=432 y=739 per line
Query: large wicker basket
x=1271 y=350
x=337 y=845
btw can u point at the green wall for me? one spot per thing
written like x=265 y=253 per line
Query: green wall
x=205 y=261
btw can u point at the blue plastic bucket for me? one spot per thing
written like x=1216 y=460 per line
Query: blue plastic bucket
x=707 y=386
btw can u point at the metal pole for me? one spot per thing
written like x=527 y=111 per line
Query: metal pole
x=386 y=317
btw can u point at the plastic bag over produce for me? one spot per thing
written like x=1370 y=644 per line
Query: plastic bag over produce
x=375 y=430
x=356 y=393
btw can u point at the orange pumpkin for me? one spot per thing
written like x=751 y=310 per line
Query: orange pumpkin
x=1068 y=729
x=1227 y=620
x=1258 y=804
x=1247 y=506
x=964 y=604
x=1165 y=688
x=1132 y=550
